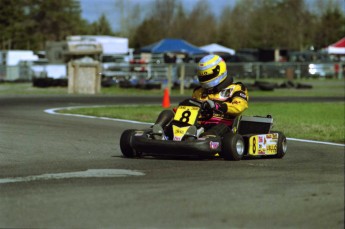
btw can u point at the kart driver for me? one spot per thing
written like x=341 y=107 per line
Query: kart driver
x=227 y=99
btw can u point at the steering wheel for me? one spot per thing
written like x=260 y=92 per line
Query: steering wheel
x=206 y=112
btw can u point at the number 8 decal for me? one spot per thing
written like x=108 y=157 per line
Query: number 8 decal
x=185 y=116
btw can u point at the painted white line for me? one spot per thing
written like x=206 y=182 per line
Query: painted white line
x=91 y=173
x=53 y=111
x=316 y=142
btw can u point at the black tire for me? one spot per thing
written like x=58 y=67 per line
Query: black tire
x=265 y=86
x=281 y=145
x=232 y=147
x=125 y=144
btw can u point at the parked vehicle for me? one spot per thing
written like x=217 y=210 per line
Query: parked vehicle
x=324 y=70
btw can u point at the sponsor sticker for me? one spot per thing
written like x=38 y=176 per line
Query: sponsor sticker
x=214 y=145
x=179 y=131
x=261 y=139
x=177 y=138
x=261 y=152
x=243 y=95
x=265 y=144
x=271 y=149
x=225 y=93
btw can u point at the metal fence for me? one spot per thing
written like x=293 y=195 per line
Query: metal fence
x=156 y=74
x=153 y=74
x=287 y=70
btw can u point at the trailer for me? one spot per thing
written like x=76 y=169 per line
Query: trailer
x=110 y=45
x=11 y=64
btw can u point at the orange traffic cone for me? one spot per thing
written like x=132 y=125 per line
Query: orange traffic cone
x=166 y=98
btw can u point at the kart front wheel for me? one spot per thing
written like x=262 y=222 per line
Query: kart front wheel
x=125 y=144
x=281 y=145
x=232 y=147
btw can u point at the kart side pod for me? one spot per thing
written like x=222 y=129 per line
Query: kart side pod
x=258 y=137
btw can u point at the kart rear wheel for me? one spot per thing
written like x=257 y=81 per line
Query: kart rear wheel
x=125 y=144
x=281 y=145
x=232 y=147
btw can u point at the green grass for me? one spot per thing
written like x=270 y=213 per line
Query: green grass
x=321 y=88
x=28 y=89
x=141 y=113
x=313 y=121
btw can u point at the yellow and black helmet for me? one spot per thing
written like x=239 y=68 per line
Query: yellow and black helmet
x=211 y=71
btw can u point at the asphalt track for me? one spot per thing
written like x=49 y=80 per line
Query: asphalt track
x=43 y=183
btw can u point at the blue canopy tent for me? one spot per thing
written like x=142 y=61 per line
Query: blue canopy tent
x=171 y=48
x=174 y=46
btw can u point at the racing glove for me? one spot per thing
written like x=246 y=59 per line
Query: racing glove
x=210 y=104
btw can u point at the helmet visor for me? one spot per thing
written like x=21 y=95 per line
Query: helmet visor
x=214 y=74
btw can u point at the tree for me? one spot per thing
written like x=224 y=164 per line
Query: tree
x=28 y=24
x=200 y=27
x=130 y=19
x=296 y=24
x=164 y=11
x=270 y=24
x=101 y=27
x=234 y=26
x=56 y=19
x=331 y=28
x=178 y=26
x=12 y=24
x=158 y=25
x=285 y=24
x=146 y=33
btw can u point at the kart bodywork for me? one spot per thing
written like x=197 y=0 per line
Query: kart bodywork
x=248 y=137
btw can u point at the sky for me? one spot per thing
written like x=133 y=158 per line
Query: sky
x=93 y=9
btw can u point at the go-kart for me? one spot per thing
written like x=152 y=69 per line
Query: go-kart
x=183 y=136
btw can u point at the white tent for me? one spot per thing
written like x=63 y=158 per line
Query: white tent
x=337 y=48
x=216 y=48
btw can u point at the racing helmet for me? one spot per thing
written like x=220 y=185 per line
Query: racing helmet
x=211 y=71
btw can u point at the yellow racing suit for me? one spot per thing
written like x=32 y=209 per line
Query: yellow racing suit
x=230 y=101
